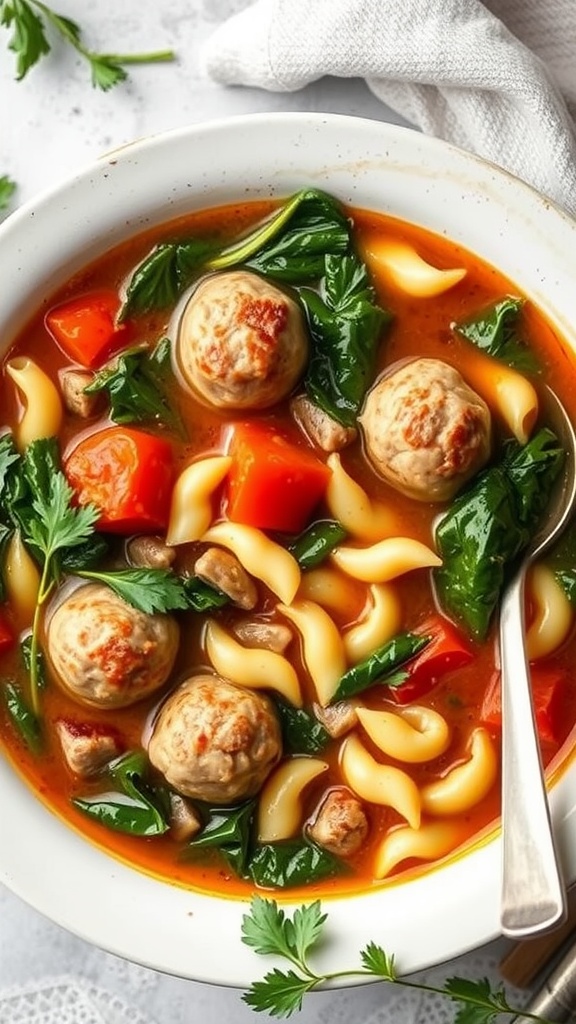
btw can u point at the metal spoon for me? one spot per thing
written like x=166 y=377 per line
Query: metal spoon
x=533 y=892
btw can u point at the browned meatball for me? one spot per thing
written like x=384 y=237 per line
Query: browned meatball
x=215 y=741
x=340 y=824
x=242 y=343
x=425 y=430
x=107 y=654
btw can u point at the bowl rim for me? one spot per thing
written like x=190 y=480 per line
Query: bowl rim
x=89 y=892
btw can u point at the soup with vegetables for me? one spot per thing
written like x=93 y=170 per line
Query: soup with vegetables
x=264 y=474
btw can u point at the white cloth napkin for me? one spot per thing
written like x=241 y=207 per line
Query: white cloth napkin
x=497 y=78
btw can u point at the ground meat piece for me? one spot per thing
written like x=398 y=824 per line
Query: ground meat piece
x=338 y=719
x=185 y=821
x=271 y=636
x=150 y=552
x=87 y=746
x=72 y=384
x=425 y=431
x=215 y=741
x=340 y=824
x=106 y=653
x=222 y=570
x=242 y=343
x=319 y=427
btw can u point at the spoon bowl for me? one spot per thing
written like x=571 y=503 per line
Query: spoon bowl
x=533 y=890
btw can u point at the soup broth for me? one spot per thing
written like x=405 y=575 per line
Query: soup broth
x=276 y=792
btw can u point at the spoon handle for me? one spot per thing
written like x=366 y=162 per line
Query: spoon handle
x=533 y=893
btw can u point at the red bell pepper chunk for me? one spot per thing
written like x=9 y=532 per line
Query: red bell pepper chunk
x=6 y=634
x=446 y=651
x=272 y=484
x=85 y=328
x=548 y=688
x=127 y=474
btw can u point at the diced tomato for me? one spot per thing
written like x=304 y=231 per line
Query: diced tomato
x=272 y=483
x=85 y=328
x=446 y=651
x=6 y=634
x=127 y=474
x=548 y=688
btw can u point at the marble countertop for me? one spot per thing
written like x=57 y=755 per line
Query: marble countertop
x=52 y=123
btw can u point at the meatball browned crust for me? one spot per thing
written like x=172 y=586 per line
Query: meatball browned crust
x=425 y=430
x=242 y=343
x=215 y=741
x=107 y=654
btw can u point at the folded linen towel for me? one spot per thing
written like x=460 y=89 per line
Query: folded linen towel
x=496 y=77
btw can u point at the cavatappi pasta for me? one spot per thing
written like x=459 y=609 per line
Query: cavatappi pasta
x=274 y=618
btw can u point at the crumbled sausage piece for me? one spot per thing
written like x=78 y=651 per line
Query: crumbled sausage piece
x=72 y=384
x=222 y=570
x=337 y=719
x=340 y=824
x=271 y=636
x=87 y=746
x=185 y=822
x=149 y=552
x=320 y=428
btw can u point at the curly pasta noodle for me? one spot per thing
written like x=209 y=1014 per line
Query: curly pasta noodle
x=191 y=509
x=22 y=579
x=429 y=842
x=406 y=269
x=260 y=556
x=512 y=394
x=467 y=783
x=42 y=403
x=552 y=614
x=413 y=734
x=280 y=803
x=379 y=783
x=254 y=667
x=322 y=644
x=330 y=588
x=349 y=503
x=385 y=560
x=379 y=624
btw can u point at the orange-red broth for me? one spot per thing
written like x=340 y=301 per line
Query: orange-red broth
x=420 y=327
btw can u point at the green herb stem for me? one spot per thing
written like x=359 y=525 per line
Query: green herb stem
x=44 y=590
x=155 y=57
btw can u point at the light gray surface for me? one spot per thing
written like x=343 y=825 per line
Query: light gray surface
x=51 y=124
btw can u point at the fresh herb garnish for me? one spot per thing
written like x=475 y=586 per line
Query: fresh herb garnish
x=136 y=386
x=269 y=931
x=496 y=331
x=29 y=19
x=381 y=666
x=137 y=809
x=489 y=525
x=346 y=325
x=148 y=590
x=7 y=190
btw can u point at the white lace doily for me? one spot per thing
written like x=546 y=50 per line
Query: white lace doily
x=66 y=1001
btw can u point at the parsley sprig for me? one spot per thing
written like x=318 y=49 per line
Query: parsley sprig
x=268 y=930
x=28 y=20
x=7 y=190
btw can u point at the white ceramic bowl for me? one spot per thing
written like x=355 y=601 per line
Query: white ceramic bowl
x=372 y=165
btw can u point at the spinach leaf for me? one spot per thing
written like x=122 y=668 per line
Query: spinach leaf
x=289 y=246
x=22 y=716
x=84 y=556
x=136 y=386
x=346 y=325
x=488 y=526
x=291 y=863
x=312 y=546
x=381 y=666
x=567 y=580
x=229 y=830
x=136 y=809
x=201 y=597
x=301 y=732
x=495 y=331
